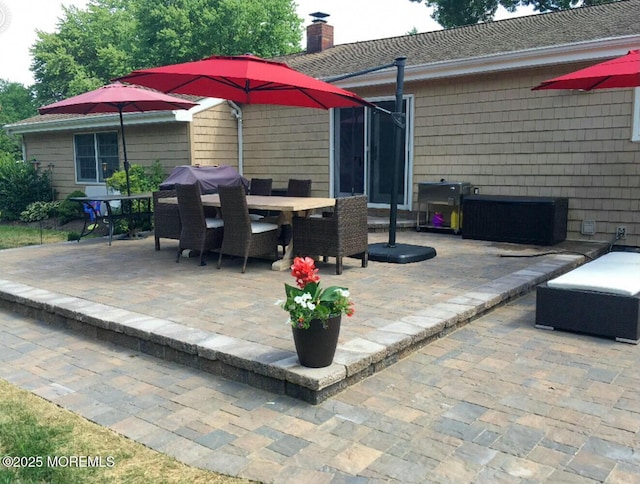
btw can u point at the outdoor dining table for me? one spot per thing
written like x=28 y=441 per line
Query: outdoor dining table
x=287 y=206
x=127 y=211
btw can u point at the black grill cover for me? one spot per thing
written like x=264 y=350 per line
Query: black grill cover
x=208 y=177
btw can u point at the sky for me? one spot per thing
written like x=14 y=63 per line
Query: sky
x=353 y=21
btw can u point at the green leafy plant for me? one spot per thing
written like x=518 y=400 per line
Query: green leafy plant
x=121 y=226
x=141 y=179
x=309 y=301
x=39 y=211
x=20 y=185
x=68 y=210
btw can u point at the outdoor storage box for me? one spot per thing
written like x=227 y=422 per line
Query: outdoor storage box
x=523 y=220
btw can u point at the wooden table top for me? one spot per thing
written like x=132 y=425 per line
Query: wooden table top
x=265 y=202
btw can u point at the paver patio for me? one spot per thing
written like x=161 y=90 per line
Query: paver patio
x=495 y=400
x=227 y=322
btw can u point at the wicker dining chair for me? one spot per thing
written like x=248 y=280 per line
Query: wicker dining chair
x=197 y=232
x=260 y=186
x=344 y=233
x=295 y=188
x=166 y=217
x=298 y=188
x=243 y=237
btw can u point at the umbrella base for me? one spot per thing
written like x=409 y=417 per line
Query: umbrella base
x=400 y=253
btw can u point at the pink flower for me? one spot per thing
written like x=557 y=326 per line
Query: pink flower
x=350 y=310
x=304 y=270
x=308 y=301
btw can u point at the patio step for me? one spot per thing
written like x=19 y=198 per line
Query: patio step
x=263 y=366
x=379 y=223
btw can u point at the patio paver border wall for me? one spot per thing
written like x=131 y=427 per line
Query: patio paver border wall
x=270 y=368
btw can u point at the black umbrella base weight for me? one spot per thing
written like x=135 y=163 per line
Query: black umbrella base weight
x=400 y=253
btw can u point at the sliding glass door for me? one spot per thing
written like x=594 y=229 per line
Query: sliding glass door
x=349 y=129
x=364 y=153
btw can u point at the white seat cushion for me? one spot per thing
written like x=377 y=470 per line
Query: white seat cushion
x=254 y=217
x=613 y=273
x=259 y=227
x=214 y=223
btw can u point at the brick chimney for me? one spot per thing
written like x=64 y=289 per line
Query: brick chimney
x=319 y=33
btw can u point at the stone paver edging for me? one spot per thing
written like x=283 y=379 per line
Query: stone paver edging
x=266 y=367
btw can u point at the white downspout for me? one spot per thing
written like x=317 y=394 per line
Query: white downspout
x=237 y=113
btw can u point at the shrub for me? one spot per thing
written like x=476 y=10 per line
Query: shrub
x=39 y=211
x=20 y=185
x=141 y=179
x=68 y=210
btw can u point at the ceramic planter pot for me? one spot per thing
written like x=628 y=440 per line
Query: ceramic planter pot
x=316 y=346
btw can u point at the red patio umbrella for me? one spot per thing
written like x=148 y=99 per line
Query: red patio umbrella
x=616 y=73
x=245 y=79
x=117 y=98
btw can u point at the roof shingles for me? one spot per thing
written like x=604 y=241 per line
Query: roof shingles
x=616 y=19
x=583 y=24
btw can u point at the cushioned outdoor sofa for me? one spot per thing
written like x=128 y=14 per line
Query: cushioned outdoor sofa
x=601 y=298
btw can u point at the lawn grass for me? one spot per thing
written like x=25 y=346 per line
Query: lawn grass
x=31 y=427
x=38 y=432
x=18 y=236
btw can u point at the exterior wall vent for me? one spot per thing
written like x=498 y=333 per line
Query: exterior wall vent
x=588 y=227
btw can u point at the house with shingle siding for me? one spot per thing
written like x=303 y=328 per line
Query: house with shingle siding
x=470 y=116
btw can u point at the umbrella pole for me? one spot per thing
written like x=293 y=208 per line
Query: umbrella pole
x=124 y=150
x=126 y=172
x=399 y=126
x=392 y=252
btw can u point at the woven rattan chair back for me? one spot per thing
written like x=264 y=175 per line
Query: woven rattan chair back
x=239 y=239
x=350 y=217
x=299 y=188
x=194 y=233
x=261 y=186
x=343 y=234
x=233 y=205
x=166 y=217
x=295 y=188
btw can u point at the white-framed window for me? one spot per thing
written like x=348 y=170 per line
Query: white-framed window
x=96 y=156
x=635 y=133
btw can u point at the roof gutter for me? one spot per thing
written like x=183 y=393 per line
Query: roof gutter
x=562 y=54
x=236 y=112
x=110 y=120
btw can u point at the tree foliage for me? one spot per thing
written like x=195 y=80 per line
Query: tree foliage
x=456 y=13
x=185 y=30
x=110 y=38
x=16 y=103
x=89 y=48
